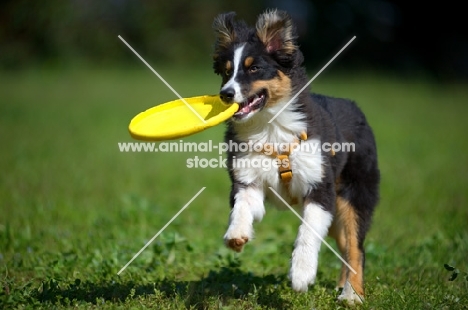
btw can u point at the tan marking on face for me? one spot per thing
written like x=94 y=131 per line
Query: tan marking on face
x=344 y=230
x=248 y=61
x=278 y=88
x=228 y=65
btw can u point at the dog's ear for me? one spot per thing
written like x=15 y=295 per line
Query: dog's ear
x=223 y=26
x=275 y=29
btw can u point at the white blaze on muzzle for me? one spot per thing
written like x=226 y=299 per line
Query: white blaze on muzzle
x=232 y=83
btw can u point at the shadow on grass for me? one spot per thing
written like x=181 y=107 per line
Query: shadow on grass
x=222 y=285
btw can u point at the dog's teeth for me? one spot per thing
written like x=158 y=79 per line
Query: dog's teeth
x=249 y=104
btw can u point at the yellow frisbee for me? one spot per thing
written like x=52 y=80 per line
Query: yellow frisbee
x=175 y=119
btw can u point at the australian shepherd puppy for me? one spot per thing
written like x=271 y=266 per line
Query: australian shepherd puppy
x=336 y=190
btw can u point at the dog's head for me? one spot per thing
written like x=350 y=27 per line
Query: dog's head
x=256 y=64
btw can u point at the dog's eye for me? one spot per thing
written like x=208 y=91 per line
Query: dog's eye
x=253 y=69
x=227 y=72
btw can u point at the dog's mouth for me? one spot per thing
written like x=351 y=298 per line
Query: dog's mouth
x=252 y=104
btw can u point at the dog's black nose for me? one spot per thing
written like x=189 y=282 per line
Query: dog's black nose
x=227 y=95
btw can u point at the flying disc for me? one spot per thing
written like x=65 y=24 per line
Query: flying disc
x=174 y=119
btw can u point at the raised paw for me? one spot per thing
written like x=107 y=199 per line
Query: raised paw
x=236 y=244
x=237 y=236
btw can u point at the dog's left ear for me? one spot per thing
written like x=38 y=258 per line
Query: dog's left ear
x=275 y=29
x=223 y=26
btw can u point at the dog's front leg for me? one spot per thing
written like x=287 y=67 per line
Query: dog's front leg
x=306 y=248
x=247 y=206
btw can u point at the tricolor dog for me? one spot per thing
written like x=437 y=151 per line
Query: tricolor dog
x=335 y=189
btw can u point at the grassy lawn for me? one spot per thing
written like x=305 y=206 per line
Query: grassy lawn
x=74 y=210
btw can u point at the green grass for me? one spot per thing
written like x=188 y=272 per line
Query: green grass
x=74 y=210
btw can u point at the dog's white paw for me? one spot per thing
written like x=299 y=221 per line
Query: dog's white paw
x=303 y=270
x=349 y=296
x=237 y=236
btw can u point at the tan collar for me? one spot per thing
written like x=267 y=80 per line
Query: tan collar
x=284 y=169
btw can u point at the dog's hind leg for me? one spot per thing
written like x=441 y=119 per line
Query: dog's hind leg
x=247 y=206
x=357 y=196
x=338 y=233
x=345 y=230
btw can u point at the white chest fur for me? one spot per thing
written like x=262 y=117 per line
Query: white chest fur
x=262 y=170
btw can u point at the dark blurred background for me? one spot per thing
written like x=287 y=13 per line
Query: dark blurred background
x=401 y=37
